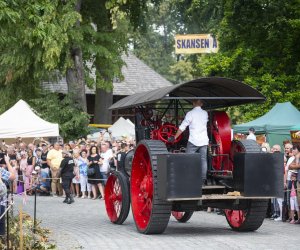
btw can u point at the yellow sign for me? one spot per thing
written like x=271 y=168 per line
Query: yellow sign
x=295 y=135
x=192 y=44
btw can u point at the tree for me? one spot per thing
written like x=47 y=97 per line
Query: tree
x=259 y=45
x=37 y=37
x=42 y=37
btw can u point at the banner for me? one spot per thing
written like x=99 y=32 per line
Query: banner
x=192 y=44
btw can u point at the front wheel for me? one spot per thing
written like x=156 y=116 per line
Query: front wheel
x=117 y=197
x=249 y=219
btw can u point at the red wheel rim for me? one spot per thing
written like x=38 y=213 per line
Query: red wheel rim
x=177 y=215
x=141 y=187
x=235 y=218
x=113 y=198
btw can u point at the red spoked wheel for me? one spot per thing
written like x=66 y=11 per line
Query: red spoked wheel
x=182 y=216
x=166 y=131
x=151 y=215
x=117 y=199
x=221 y=131
x=252 y=217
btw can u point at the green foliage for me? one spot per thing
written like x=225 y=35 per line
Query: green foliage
x=37 y=241
x=181 y=71
x=38 y=38
x=35 y=39
x=155 y=45
x=259 y=45
x=72 y=121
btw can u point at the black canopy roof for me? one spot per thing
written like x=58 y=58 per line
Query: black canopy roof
x=216 y=92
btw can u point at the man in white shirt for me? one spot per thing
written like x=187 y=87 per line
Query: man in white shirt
x=251 y=135
x=197 y=120
x=106 y=156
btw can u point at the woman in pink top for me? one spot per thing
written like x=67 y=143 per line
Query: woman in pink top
x=293 y=198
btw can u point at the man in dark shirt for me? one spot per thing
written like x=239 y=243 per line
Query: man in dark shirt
x=44 y=156
x=121 y=157
x=67 y=174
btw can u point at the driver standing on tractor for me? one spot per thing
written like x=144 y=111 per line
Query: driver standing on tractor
x=197 y=120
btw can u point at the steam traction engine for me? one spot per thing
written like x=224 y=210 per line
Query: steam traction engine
x=160 y=179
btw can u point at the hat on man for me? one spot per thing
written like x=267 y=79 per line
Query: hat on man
x=34 y=172
x=252 y=129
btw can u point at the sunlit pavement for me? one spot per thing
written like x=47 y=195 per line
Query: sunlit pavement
x=84 y=225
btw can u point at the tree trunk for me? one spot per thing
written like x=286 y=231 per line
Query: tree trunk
x=75 y=75
x=75 y=80
x=103 y=100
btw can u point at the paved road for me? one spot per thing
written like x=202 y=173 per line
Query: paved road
x=84 y=224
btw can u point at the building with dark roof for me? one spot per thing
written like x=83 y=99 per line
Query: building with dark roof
x=138 y=77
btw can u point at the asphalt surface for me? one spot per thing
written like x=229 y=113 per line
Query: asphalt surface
x=85 y=225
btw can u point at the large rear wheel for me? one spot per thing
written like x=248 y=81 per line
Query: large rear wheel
x=252 y=217
x=151 y=215
x=117 y=199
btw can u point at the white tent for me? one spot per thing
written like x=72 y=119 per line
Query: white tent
x=122 y=128
x=21 y=121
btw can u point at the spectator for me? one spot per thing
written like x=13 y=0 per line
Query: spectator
x=288 y=171
x=76 y=179
x=15 y=166
x=54 y=159
x=293 y=198
x=287 y=150
x=23 y=167
x=277 y=202
x=34 y=182
x=38 y=152
x=95 y=178
x=44 y=156
x=276 y=148
x=30 y=166
x=121 y=158
x=67 y=174
x=44 y=180
x=106 y=156
x=83 y=166
x=251 y=135
x=265 y=147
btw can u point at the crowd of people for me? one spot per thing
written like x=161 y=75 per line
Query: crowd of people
x=80 y=169
x=287 y=207
x=75 y=169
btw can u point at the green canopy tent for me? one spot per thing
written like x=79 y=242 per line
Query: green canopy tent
x=276 y=124
x=297 y=127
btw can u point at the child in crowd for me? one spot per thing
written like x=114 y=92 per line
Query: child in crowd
x=15 y=167
x=293 y=198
